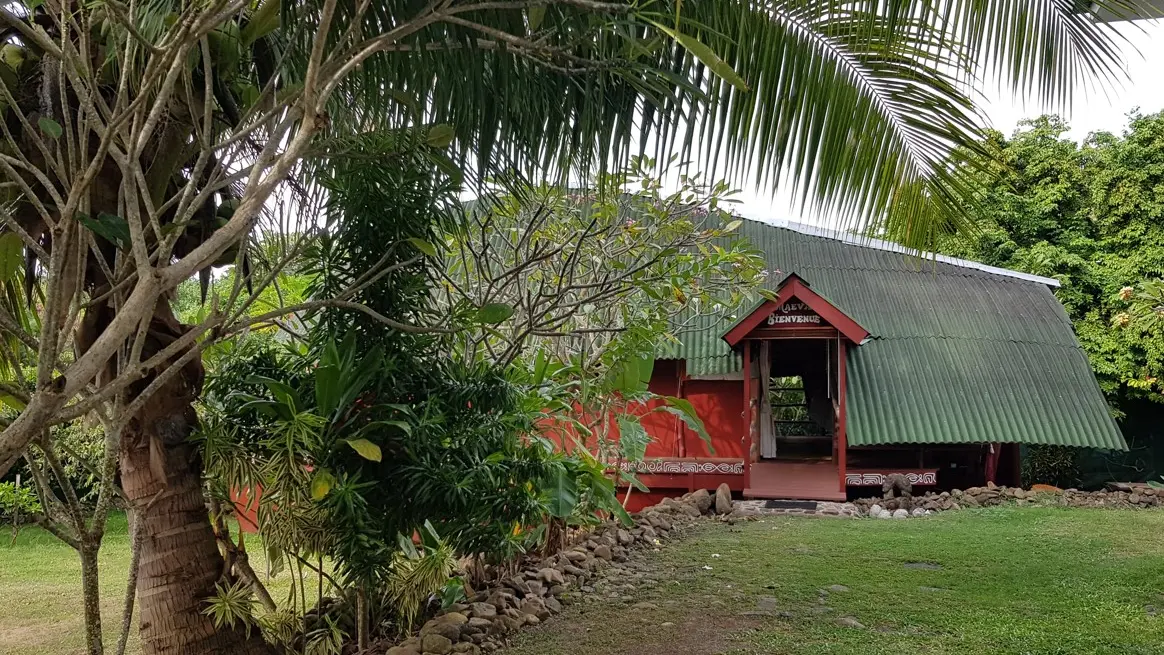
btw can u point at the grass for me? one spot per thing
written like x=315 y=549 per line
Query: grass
x=40 y=590
x=1030 y=581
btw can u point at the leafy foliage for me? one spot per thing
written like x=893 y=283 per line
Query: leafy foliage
x=1089 y=216
x=417 y=575
x=1057 y=466
x=17 y=502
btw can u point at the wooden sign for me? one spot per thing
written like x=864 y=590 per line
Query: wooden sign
x=794 y=314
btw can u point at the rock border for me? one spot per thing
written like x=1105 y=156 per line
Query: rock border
x=544 y=586
x=1124 y=496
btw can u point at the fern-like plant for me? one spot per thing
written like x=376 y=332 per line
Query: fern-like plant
x=232 y=606
x=417 y=575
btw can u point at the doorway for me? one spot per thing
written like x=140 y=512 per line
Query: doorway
x=798 y=399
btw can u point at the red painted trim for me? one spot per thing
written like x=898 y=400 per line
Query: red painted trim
x=747 y=369
x=682 y=482
x=842 y=436
x=794 y=287
x=768 y=333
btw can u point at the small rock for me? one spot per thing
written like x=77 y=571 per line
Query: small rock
x=900 y=514
x=479 y=623
x=1150 y=610
x=402 y=650
x=919 y=511
x=666 y=624
x=850 y=622
x=437 y=627
x=534 y=607
x=603 y=551
x=454 y=618
x=701 y=500
x=434 y=643
x=644 y=606
x=551 y=576
x=838 y=587
x=875 y=510
x=723 y=499
x=483 y=610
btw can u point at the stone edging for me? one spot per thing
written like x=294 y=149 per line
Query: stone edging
x=543 y=587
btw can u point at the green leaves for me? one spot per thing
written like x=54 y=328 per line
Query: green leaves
x=113 y=229
x=440 y=135
x=423 y=246
x=562 y=493
x=11 y=256
x=494 y=313
x=261 y=23
x=51 y=128
x=705 y=55
x=632 y=438
x=366 y=449
x=321 y=484
x=632 y=375
x=683 y=408
x=534 y=17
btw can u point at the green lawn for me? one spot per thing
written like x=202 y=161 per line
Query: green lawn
x=1011 y=581
x=40 y=591
x=1030 y=581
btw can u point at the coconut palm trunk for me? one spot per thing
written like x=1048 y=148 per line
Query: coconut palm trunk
x=161 y=475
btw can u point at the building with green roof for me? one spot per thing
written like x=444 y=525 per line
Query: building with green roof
x=873 y=360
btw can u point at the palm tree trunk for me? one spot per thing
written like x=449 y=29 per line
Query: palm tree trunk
x=161 y=474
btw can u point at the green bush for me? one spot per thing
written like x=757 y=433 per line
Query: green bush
x=1054 y=465
x=16 y=501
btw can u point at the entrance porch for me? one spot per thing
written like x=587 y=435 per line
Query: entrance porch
x=775 y=479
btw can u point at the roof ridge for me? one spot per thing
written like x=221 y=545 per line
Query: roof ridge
x=890 y=246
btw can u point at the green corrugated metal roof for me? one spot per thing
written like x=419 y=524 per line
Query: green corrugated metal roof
x=958 y=353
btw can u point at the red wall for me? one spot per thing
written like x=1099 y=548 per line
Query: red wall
x=720 y=404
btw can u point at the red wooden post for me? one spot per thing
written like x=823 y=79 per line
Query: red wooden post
x=992 y=462
x=747 y=370
x=842 y=438
x=680 y=426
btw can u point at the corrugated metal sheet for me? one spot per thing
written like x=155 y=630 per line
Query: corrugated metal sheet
x=955 y=355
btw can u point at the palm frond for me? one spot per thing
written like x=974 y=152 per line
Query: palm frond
x=856 y=104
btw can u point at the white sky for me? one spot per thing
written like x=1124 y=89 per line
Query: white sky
x=1091 y=111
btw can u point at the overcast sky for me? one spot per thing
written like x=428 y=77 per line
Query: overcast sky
x=1091 y=112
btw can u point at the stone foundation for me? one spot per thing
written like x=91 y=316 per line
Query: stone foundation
x=1122 y=496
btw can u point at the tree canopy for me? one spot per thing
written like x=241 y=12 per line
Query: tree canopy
x=1090 y=215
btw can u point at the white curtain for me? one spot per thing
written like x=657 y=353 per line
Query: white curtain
x=767 y=433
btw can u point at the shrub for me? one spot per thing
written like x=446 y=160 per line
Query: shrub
x=16 y=502
x=1053 y=465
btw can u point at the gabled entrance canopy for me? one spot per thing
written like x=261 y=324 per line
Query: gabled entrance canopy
x=796 y=305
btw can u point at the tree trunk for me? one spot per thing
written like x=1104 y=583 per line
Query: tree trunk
x=91 y=592
x=161 y=474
